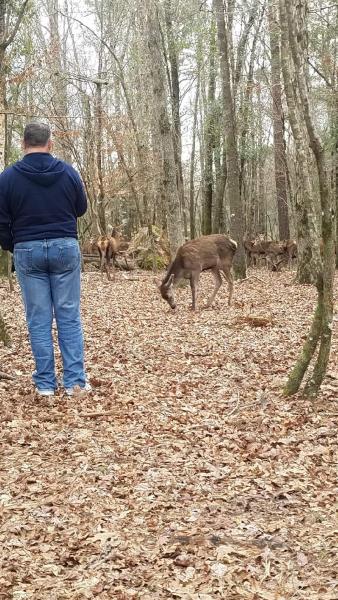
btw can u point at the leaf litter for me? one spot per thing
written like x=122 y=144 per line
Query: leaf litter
x=186 y=474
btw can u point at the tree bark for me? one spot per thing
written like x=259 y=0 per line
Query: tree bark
x=220 y=160
x=278 y=126
x=242 y=46
x=209 y=133
x=98 y=113
x=6 y=39
x=192 y=210
x=323 y=318
x=4 y=337
x=244 y=113
x=335 y=162
x=175 y=103
x=158 y=78
x=59 y=99
x=233 y=189
x=307 y=231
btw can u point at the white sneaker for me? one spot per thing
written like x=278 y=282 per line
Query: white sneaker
x=86 y=388
x=45 y=392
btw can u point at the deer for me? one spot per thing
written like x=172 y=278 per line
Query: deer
x=107 y=247
x=212 y=253
x=275 y=252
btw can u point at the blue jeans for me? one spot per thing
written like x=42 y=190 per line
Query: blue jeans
x=49 y=274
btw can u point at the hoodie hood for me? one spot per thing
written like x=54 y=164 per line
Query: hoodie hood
x=41 y=168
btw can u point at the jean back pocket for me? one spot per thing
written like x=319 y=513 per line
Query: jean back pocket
x=69 y=255
x=23 y=259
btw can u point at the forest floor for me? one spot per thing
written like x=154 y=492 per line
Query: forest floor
x=186 y=474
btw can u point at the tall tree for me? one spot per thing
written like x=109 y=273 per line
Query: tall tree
x=293 y=21
x=233 y=183
x=307 y=228
x=9 y=26
x=175 y=102
x=209 y=136
x=192 y=207
x=278 y=125
x=59 y=100
x=7 y=36
x=158 y=79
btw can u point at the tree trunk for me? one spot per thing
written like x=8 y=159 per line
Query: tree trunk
x=220 y=160
x=278 y=126
x=4 y=337
x=192 y=161
x=335 y=163
x=59 y=100
x=209 y=132
x=2 y=123
x=175 y=102
x=242 y=46
x=245 y=113
x=6 y=39
x=158 y=78
x=307 y=234
x=233 y=189
x=321 y=330
x=98 y=112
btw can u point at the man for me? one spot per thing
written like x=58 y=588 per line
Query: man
x=40 y=200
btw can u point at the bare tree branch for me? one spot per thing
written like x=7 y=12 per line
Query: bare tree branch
x=328 y=83
x=9 y=40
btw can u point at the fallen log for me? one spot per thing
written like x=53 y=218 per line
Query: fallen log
x=122 y=262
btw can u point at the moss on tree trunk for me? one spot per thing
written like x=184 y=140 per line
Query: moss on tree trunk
x=308 y=350
x=322 y=323
x=4 y=337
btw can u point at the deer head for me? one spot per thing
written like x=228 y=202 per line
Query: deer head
x=167 y=292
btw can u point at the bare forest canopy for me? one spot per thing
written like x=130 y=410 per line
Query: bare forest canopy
x=152 y=101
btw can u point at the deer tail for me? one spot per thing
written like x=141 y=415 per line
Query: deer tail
x=233 y=245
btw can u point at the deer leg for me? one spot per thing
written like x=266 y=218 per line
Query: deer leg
x=102 y=260
x=110 y=268
x=230 y=279
x=107 y=267
x=113 y=266
x=218 y=283
x=194 y=277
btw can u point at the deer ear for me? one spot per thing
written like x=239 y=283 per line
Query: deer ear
x=157 y=282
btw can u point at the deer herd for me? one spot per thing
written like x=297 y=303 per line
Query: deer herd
x=213 y=253
x=275 y=253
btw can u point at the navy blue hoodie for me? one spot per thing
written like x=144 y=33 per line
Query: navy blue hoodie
x=40 y=198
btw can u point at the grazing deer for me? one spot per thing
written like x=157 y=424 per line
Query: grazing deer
x=107 y=247
x=274 y=252
x=208 y=253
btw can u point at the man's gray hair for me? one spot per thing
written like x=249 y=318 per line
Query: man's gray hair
x=36 y=134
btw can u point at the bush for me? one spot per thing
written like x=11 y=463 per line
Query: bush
x=147 y=260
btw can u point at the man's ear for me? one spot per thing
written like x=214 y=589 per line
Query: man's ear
x=50 y=145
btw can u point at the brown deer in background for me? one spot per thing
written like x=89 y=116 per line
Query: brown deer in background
x=107 y=247
x=274 y=252
x=208 y=253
